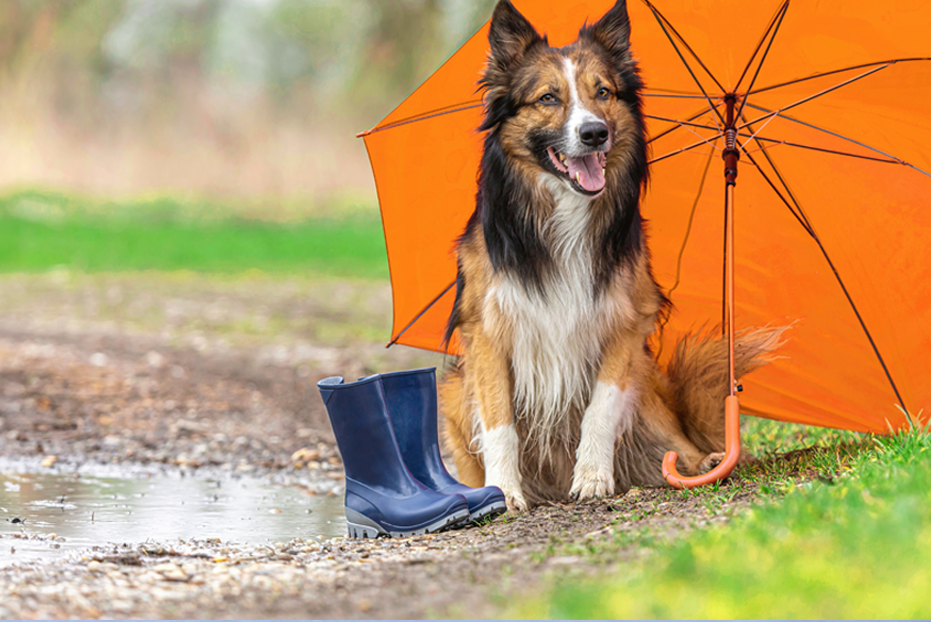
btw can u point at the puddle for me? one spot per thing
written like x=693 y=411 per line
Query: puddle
x=108 y=505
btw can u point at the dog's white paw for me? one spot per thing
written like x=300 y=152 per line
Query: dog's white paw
x=515 y=501
x=591 y=483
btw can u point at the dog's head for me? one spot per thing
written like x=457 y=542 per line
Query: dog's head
x=572 y=112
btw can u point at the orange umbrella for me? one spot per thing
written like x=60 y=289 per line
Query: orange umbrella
x=823 y=111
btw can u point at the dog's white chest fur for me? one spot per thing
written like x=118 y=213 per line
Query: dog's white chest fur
x=557 y=334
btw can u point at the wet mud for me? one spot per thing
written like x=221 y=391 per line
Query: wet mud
x=60 y=511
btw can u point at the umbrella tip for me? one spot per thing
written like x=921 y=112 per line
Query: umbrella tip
x=363 y=134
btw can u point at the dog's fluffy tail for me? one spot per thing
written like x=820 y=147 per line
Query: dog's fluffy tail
x=698 y=376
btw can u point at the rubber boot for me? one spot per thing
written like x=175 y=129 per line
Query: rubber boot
x=382 y=497
x=411 y=399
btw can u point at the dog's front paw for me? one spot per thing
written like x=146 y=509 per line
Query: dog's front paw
x=591 y=483
x=515 y=501
x=513 y=494
x=710 y=461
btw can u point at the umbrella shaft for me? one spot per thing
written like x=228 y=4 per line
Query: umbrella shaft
x=731 y=157
x=729 y=281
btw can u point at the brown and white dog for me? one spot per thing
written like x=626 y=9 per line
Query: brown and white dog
x=557 y=393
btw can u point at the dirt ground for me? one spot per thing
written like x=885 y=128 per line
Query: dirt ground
x=191 y=373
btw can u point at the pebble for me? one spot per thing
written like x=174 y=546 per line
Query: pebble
x=160 y=576
x=129 y=580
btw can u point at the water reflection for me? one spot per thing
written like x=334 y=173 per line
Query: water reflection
x=94 y=508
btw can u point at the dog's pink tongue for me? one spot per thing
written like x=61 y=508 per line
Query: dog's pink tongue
x=587 y=172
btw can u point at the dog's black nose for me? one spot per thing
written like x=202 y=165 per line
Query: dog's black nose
x=593 y=134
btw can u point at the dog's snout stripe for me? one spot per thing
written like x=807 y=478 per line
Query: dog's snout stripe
x=579 y=115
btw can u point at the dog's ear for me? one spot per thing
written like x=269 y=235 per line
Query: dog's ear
x=612 y=32
x=511 y=35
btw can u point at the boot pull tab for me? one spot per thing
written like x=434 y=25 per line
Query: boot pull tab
x=325 y=384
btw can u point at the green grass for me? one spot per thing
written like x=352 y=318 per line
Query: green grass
x=766 y=437
x=43 y=230
x=855 y=545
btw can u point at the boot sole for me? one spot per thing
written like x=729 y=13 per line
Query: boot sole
x=361 y=526
x=489 y=512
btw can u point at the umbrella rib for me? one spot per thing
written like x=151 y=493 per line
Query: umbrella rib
x=420 y=315
x=687 y=126
x=837 y=276
x=823 y=150
x=759 y=45
x=422 y=117
x=672 y=95
x=805 y=100
x=688 y=229
x=659 y=16
x=763 y=127
x=841 y=136
x=673 y=129
x=685 y=241
x=662 y=24
x=785 y=185
x=784 y=10
x=772 y=185
x=834 y=71
x=682 y=123
x=689 y=148
x=866 y=330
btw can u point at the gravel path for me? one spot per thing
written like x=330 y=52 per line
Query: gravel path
x=468 y=573
x=191 y=374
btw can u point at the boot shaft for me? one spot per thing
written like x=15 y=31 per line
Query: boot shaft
x=412 y=408
x=364 y=435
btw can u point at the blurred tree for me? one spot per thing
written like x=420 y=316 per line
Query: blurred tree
x=164 y=38
x=325 y=34
x=50 y=51
x=26 y=27
x=409 y=40
x=401 y=47
x=351 y=55
x=219 y=80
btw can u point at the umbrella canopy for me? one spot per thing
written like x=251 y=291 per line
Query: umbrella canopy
x=832 y=105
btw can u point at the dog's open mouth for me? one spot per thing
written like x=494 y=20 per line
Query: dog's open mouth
x=587 y=172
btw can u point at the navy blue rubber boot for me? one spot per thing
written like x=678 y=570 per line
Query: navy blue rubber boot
x=411 y=399
x=382 y=497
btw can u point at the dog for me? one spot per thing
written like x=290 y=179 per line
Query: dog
x=557 y=393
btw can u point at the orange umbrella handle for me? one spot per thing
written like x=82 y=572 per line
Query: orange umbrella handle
x=732 y=402
x=731 y=452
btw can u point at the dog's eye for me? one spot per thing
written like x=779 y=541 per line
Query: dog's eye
x=549 y=99
x=604 y=93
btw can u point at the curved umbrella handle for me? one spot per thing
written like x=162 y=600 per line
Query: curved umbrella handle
x=732 y=402
x=731 y=452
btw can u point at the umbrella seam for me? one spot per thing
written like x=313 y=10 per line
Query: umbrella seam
x=442 y=112
x=840 y=281
x=420 y=315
